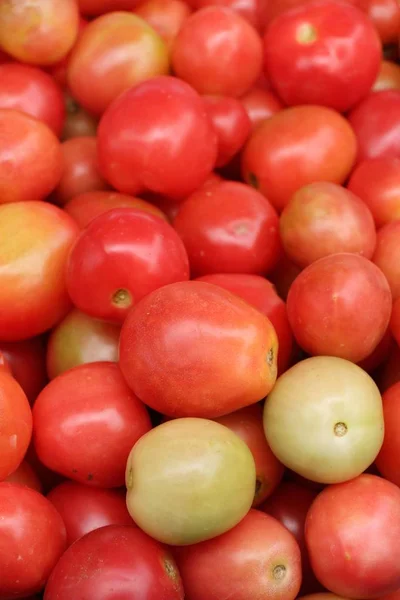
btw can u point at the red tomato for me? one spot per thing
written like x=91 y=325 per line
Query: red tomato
x=353 y=537
x=93 y=8
x=251 y=10
x=121 y=257
x=394 y=596
x=84 y=508
x=387 y=255
x=262 y=295
x=388 y=77
x=376 y=123
x=166 y=17
x=27 y=361
x=260 y=105
x=86 y=422
x=195 y=349
x=78 y=122
x=33 y=92
x=220 y=32
x=231 y=123
x=30 y=158
x=25 y=475
x=377 y=182
x=229 y=228
x=298 y=146
x=257 y=557
x=35 y=240
x=385 y=15
x=80 y=169
x=326 y=53
x=323 y=219
x=340 y=306
x=152 y=134
x=114 y=52
x=388 y=460
x=40 y=32
x=32 y=539
x=115 y=562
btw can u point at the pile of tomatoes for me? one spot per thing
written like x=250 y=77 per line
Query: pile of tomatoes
x=199 y=299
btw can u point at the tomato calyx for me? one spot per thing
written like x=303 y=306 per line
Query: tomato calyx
x=306 y=34
x=340 y=429
x=279 y=572
x=122 y=298
x=253 y=180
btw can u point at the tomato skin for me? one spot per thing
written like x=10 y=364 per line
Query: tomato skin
x=262 y=295
x=25 y=475
x=166 y=17
x=381 y=353
x=121 y=257
x=118 y=562
x=84 y=508
x=217 y=31
x=94 y=8
x=30 y=158
x=33 y=538
x=260 y=105
x=324 y=305
x=388 y=459
x=349 y=523
x=299 y=45
x=139 y=125
x=228 y=350
x=306 y=143
x=388 y=77
x=387 y=253
x=88 y=402
x=385 y=15
x=114 y=53
x=59 y=70
x=27 y=361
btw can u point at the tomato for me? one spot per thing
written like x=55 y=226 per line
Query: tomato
x=388 y=459
x=218 y=31
x=387 y=253
x=375 y=122
x=121 y=257
x=85 y=207
x=195 y=349
x=347 y=525
x=79 y=339
x=80 y=169
x=84 y=508
x=295 y=147
x=323 y=219
x=93 y=8
x=88 y=403
x=33 y=92
x=166 y=17
x=299 y=47
x=152 y=134
x=377 y=182
x=114 y=53
x=115 y=562
x=388 y=77
x=30 y=158
x=35 y=239
x=38 y=31
x=175 y=495
x=27 y=361
x=229 y=228
x=78 y=122
x=260 y=105
x=385 y=15
x=340 y=306
x=25 y=475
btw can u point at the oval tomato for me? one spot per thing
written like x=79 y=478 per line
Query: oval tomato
x=387 y=253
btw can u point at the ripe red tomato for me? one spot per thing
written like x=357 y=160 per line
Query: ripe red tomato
x=387 y=255
x=218 y=31
x=115 y=562
x=340 y=306
x=119 y=258
x=152 y=134
x=94 y=8
x=229 y=228
x=299 y=47
x=27 y=361
x=86 y=422
x=30 y=158
x=84 y=508
x=39 y=32
x=295 y=147
x=388 y=461
x=353 y=537
x=385 y=15
x=35 y=240
x=221 y=568
x=388 y=77
x=78 y=122
x=194 y=349
x=260 y=105
x=114 y=53
x=32 y=539
x=166 y=17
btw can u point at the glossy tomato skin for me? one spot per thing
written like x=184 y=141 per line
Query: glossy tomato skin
x=388 y=77
x=84 y=508
x=27 y=361
x=260 y=105
x=203 y=351
x=347 y=525
x=166 y=17
x=229 y=228
x=220 y=568
x=121 y=257
x=340 y=306
x=388 y=459
x=299 y=45
x=30 y=158
x=306 y=144
x=93 y=403
x=32 y=300
x=25 y=475
x=386 y=255
x=117 y=562
x=33 y=538
x=136 y=149
x=385 y=15
x=262 y=294
x=218 y=31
